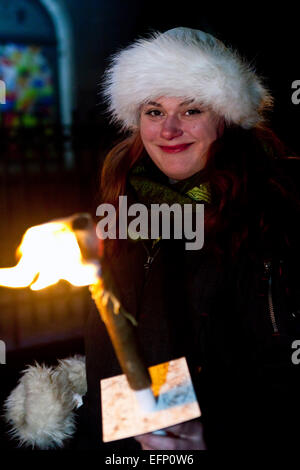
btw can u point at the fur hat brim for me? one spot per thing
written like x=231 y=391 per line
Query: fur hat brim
x=184 y=63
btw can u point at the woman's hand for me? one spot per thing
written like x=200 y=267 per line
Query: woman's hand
x=184 y=436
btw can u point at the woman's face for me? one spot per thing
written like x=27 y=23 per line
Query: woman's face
x=177 y=134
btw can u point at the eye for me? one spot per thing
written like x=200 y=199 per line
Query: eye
x=190 y=112
x=153 y=112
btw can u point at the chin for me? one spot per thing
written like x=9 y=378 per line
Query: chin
x=178 y=174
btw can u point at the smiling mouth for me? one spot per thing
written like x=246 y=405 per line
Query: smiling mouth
x=175 y=148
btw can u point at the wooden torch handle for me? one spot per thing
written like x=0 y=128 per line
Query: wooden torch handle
x=123 y=337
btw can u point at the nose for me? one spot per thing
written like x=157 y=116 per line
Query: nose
x=171 y=128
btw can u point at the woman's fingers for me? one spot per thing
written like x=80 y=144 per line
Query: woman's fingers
x=154 y=442
x=184 y=436
x=187 y=430
x=151 y=442
x=145 y=447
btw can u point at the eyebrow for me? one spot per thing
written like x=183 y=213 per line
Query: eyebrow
x=153 y=103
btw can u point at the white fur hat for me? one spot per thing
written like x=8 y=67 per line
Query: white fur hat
x=189 y=63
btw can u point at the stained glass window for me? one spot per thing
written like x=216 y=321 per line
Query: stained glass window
x=29 y=82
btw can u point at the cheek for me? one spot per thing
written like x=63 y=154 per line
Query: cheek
x=204 y=132
x=148 y=131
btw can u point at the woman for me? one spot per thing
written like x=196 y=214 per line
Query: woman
x=196 y=115
x=195 y=112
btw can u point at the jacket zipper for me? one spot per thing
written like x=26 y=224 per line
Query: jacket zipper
x=150 y=259
x=268 y=271
x=147 y=265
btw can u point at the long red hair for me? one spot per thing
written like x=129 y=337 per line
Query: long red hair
x=242 y=173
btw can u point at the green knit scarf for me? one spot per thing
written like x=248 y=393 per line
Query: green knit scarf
x=153 y=187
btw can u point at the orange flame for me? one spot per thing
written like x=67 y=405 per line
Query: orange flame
x=48 y=253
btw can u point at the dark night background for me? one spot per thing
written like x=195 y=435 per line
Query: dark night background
x=267 y=37
x=36 y=183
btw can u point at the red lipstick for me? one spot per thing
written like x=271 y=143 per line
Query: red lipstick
x=175 y=148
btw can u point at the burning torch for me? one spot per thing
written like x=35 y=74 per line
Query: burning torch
x=68 y=249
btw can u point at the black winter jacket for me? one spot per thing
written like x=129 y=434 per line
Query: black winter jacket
x=235 y=323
